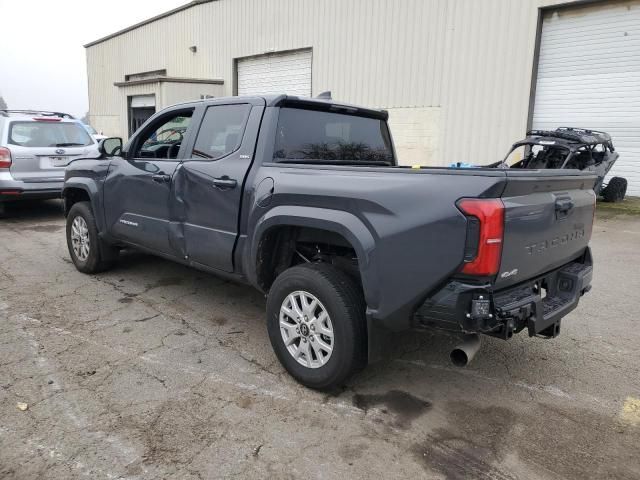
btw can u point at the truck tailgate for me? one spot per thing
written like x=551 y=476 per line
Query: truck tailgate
x=548 y=220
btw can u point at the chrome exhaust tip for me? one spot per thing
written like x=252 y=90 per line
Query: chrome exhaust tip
x=463 y=353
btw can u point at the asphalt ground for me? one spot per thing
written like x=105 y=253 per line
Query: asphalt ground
x=153 y=370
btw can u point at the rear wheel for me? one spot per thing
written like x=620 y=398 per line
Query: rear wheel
x=316 y=324
x=615 y=190
x=88 y=252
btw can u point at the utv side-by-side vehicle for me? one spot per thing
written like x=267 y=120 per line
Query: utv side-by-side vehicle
x=566 y=147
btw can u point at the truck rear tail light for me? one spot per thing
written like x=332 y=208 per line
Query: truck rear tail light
x=46 y=119
x=5 y=158
x=486 y=223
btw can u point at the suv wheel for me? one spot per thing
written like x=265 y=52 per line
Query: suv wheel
x=316 y=324
x=88 y=252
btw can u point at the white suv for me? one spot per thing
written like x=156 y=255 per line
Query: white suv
x=35 y=148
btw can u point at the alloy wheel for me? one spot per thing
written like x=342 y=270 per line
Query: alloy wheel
x=80 y=239
x=306 y=329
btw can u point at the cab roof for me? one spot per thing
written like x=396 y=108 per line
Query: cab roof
x=322 y=104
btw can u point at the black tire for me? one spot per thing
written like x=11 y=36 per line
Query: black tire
x=3 y=210
x=343 y=300
x=615 y=190
x=101 y=255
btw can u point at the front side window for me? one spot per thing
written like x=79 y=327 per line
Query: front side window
x=163 y=141
x=48 y=134
x=312 y=136
x=221 y=131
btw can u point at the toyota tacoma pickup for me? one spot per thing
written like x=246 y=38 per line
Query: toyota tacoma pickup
x=304 y=200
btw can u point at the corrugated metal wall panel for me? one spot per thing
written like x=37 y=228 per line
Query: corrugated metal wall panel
x=589 y=76
x=468 y=61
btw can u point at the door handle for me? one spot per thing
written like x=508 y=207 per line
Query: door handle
x=161 y=178
x=225 y=183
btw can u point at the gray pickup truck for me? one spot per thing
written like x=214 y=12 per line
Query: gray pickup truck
x=303 y=199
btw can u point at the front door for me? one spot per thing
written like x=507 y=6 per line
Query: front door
x=137 y=192
x=209 y=182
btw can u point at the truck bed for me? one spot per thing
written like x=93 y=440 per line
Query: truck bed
x=411 y=233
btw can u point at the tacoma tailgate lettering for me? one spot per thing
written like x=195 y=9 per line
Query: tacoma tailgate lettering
x=541 y=247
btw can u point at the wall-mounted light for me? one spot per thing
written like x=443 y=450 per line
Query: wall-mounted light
x=193 y=48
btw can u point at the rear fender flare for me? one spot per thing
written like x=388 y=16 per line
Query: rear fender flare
x=337 y=221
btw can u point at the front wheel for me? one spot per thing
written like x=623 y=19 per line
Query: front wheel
x=88 y=252
x=316 y=324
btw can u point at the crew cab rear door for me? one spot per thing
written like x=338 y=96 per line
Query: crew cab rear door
x=208 y=186
x=138 y=187
x=548 y=220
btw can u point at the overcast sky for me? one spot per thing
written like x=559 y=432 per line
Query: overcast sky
x=42 y=59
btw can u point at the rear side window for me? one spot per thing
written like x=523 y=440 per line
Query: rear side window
x=313 y=136
x=221 y=131
x=48 y=134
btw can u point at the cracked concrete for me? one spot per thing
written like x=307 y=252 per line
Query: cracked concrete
x=153 y=370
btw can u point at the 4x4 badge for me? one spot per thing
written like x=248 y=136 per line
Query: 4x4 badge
x=509 y=274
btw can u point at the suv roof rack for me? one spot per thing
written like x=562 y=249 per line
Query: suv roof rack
x=579 y=135
x=44 y=113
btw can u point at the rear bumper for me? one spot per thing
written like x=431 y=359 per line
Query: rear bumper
x=538 y=304
x=14 y=190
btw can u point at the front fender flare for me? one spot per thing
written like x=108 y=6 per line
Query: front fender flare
x=91 y=188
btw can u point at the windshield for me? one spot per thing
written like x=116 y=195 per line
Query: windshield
x=328 y=137
x=48 y=134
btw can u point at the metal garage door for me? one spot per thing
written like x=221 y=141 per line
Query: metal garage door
x=589 y=76
x=288 y=72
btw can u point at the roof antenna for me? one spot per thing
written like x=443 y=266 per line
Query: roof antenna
x=325 y=95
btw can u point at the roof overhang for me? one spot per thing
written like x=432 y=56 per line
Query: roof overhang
x=186 y=6
x=146 y=81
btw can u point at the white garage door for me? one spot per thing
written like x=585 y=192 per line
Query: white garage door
x=589 y=76
x=288 y=73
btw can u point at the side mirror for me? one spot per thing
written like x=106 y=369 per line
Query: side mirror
x=110 y=147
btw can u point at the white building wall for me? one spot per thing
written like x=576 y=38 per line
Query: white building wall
x=459 y=70
x=416 y=133
x=179 y=92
